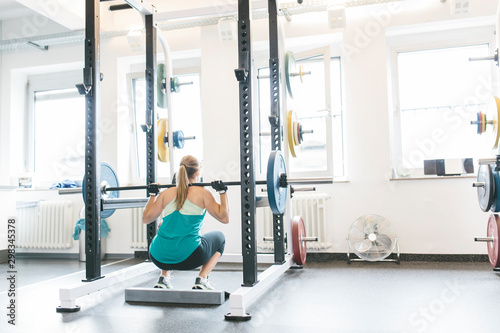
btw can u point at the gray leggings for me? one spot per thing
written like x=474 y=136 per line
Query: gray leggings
x=211 y=242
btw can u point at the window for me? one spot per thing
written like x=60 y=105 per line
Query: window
x=59 y=126
x=186 y=116
x=437 y=92
x=54 y=128
x=318 y=105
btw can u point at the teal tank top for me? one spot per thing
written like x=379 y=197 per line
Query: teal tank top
x=179 y=233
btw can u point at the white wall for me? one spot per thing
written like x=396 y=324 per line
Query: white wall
x=430 y=216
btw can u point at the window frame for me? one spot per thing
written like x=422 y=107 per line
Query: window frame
x=134 y=160
x=328 y=52
x=400 y=40
x=37 y=83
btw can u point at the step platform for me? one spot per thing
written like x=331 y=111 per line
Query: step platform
x=176 y=296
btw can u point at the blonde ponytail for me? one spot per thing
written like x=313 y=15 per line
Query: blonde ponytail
x=188 y=167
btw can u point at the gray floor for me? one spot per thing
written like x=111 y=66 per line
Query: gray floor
x=323 y=297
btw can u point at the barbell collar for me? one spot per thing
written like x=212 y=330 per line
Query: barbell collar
x=299 y=74
x=490 y=58
x=120 y=203
x=311 y=180
x=484 y=239
x=185 y=83
x=70 y=190
x=305 y=189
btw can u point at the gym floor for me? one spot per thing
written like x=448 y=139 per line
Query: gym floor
x=323 y=297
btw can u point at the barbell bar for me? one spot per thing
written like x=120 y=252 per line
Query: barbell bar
x=292 y=181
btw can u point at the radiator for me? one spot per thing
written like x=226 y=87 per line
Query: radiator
x=45 y=225
x=313 y=209
x=139 y=231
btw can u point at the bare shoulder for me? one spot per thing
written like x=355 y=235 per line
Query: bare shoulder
x=168 y=195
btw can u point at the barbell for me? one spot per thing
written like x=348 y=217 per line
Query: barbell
x=276 y=183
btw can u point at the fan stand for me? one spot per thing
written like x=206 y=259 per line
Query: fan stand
x=396 y=260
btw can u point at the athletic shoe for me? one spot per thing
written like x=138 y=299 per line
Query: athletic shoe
x=163 y=283
x=199 y=284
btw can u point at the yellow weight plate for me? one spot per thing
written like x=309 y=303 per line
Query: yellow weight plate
x=294 y=149
x=295 y=133
x=493 y=114
x=289 y=130
x=163 y=152
x=301 y=73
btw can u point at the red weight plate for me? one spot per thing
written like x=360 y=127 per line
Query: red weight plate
x=299 y=246
x=493 y=247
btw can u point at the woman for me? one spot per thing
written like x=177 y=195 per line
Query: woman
x=178 y=244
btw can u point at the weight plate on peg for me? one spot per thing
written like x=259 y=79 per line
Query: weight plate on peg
x=299 y=245
x=294 y=149
x=174 y=85
x=493 y=246
x=277 y=195
x=161 y=89
x=179 y=139
x=290 y=68
x=108 y=177
x=301 y=73
x=495 y=206
x=295 y=133
x=492 y=115
x=162 y=128
x=299 y=136
x=486 y=192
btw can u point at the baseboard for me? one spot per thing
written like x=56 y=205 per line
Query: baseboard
x=322 y=257
x=76 y=256
x=414 y=257
x=311 y=256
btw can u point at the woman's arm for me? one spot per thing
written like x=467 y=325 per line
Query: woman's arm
x=153 y=208
x=219 y=211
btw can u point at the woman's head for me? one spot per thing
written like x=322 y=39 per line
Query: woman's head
x=189 y=170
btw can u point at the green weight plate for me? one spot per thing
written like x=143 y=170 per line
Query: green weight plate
x=486 y=193
x=277 y=195
x=174 y=85
x=109 y=177
x=495 y=207
x=290 y=68
x=161 y=82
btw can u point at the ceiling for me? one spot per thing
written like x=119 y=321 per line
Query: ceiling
x=11 y=9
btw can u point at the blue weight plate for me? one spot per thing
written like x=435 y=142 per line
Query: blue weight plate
x=495 y=207
x=108 y=175
x=179 y=139
x=277 y=195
